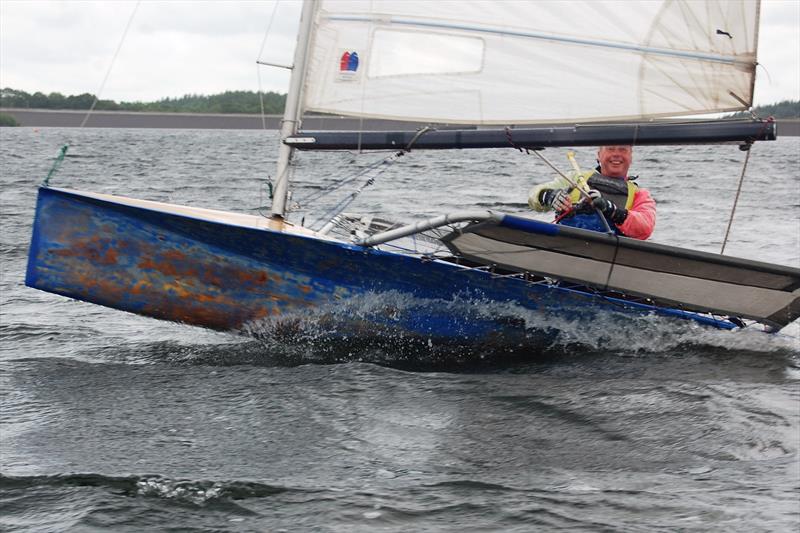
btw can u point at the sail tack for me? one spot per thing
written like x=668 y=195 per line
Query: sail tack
x=515 y=62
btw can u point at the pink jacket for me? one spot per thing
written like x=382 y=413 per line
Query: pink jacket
x=641 y=220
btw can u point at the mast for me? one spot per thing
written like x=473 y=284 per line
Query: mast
x=293 y=111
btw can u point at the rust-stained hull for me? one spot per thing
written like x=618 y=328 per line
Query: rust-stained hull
x=212 y=273
x=162 y=265
x=218 y=271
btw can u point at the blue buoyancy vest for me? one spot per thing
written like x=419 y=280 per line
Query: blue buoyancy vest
x=619 y=191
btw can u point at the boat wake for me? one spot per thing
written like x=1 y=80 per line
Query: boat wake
x=399 y=330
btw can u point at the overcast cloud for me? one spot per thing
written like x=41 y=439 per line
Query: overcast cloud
x=205 y=47
x=172 y=48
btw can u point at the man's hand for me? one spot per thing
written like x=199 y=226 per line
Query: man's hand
x=616 y=214
x=558 y=199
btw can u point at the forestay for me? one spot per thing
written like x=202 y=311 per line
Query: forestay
x=514 y=62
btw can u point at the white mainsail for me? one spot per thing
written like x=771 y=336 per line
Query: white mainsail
x=516 y=62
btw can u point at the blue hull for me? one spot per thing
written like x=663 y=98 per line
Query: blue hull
x=227 y=277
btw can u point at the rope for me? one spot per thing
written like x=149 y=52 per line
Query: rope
x=599 y=213
x=57 y=163
x=514 y=145
x=613 y=260
x=736 y=200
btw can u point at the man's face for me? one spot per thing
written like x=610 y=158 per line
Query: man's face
x=615 y=160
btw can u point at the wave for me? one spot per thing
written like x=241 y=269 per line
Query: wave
x=151 y=486
x=17 y=332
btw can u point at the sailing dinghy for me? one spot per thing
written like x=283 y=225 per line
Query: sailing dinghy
x=529 y=75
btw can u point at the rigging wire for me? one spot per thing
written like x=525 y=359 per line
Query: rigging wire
x=258 y=63
x=261 y=99
x=345 y=180
x=372 y=171
x=111 y=65
x=63 y=151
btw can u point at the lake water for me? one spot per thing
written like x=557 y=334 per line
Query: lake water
x=119 y=422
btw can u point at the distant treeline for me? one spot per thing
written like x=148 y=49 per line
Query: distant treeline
x=238 y=102
x=784 y=109
x=227 y=102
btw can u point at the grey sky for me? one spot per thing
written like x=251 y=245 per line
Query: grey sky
x=204 y=47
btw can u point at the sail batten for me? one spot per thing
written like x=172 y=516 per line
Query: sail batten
x=545 y=37
x=510 y=63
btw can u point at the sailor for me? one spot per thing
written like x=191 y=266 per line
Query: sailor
x=629 y=210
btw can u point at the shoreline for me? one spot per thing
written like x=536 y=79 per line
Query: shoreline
x=44 y=118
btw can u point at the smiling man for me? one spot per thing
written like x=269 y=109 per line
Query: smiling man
x=629 y=210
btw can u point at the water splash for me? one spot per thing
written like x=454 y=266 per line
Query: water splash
x=395 y=328
x=197 y=492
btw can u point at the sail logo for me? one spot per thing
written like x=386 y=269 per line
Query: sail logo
x=348 y=65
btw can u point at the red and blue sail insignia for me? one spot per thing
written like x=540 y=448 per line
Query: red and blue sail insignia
x=349 y=62
x=348 y=65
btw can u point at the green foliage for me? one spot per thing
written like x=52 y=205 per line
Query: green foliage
x=784 y=109
x=7 y=120
x=14 y=98
x=241 y=102
x=227 y=102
